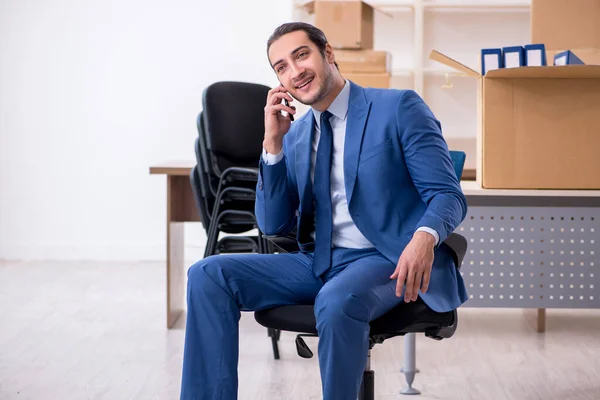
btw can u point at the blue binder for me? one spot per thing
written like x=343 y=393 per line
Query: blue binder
x=535 y=55
x=491 y=59
x=566 y=58
x=514 y=56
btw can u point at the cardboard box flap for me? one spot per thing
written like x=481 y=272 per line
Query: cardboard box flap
x=444 y=59
x=558 y=72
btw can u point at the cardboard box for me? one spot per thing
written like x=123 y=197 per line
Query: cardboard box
x=379 y=80
x=566 y=24
x=347 y=24
x=538 y=126
x=363 y=60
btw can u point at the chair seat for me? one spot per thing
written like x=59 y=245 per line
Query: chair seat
x=404 y=318
x=287 y=244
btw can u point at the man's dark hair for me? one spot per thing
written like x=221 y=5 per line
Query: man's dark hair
x=314 y=34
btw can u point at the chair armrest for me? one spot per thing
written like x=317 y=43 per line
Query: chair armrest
x=458 y=244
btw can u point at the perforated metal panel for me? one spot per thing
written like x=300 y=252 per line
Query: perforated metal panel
x=539 y=257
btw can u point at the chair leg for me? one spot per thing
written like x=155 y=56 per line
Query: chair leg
x=367 y=386
x=274 y=335
x=410 y=359
x=212 y=240
x=212 y=235
x=261 y=243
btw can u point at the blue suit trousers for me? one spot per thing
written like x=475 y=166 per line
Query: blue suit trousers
x=355 y=290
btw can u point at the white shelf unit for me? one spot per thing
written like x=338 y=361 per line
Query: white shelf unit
x=410 y=29
x=453 y=5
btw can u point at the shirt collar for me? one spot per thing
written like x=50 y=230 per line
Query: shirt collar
x=338 y=107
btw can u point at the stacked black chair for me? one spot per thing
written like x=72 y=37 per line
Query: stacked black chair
x=228 y=150
x=228 y=223
x=406 y=318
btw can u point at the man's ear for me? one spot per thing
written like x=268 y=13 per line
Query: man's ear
x=329 y=55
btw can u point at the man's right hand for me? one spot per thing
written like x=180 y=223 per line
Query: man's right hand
x=276 y=125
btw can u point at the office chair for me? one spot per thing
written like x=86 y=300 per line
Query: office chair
x=404 y=319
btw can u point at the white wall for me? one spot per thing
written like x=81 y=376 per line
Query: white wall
x=91 y=94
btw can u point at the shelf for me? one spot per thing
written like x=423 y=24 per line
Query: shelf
x=405 y=72
x=409 y=72
x=395 y=6
x=443 y=72
x=478 y=4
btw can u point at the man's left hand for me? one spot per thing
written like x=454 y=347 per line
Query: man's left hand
x=414 y=266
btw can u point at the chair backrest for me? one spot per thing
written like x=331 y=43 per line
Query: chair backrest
x=201 y=152
x=233 y=114
x=209 y=179
x=199 y=199
x=458 y=159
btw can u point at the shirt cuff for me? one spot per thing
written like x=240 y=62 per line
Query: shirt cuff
x=431 y=231
x=272 y=159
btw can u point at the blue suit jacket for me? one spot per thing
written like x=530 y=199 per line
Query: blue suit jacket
x=398 y=176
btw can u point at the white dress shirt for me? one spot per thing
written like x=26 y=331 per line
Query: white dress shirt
x=344 y=231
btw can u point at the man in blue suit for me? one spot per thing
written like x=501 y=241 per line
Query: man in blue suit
x=366 y=178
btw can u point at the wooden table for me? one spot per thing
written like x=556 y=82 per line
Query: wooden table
x=181 y=208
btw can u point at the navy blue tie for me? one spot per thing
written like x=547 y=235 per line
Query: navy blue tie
x=322 y=194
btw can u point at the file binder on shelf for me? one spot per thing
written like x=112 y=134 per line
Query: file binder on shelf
x=535 y=55
x=513 y=56
x=567 y=58
x=491 y=59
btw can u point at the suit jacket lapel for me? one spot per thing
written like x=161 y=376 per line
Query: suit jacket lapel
x=358 y=112
x=303 y=151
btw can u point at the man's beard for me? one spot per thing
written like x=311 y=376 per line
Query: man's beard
x=323 y=90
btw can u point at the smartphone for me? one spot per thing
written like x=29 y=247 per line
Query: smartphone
x=287 y=103
x=289 y=115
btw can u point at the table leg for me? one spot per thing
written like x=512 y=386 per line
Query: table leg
x=180 y=209
x=536 y=318
x=175 y=272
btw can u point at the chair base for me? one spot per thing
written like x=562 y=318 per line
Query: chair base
x=410 y=391
x=367 y=386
